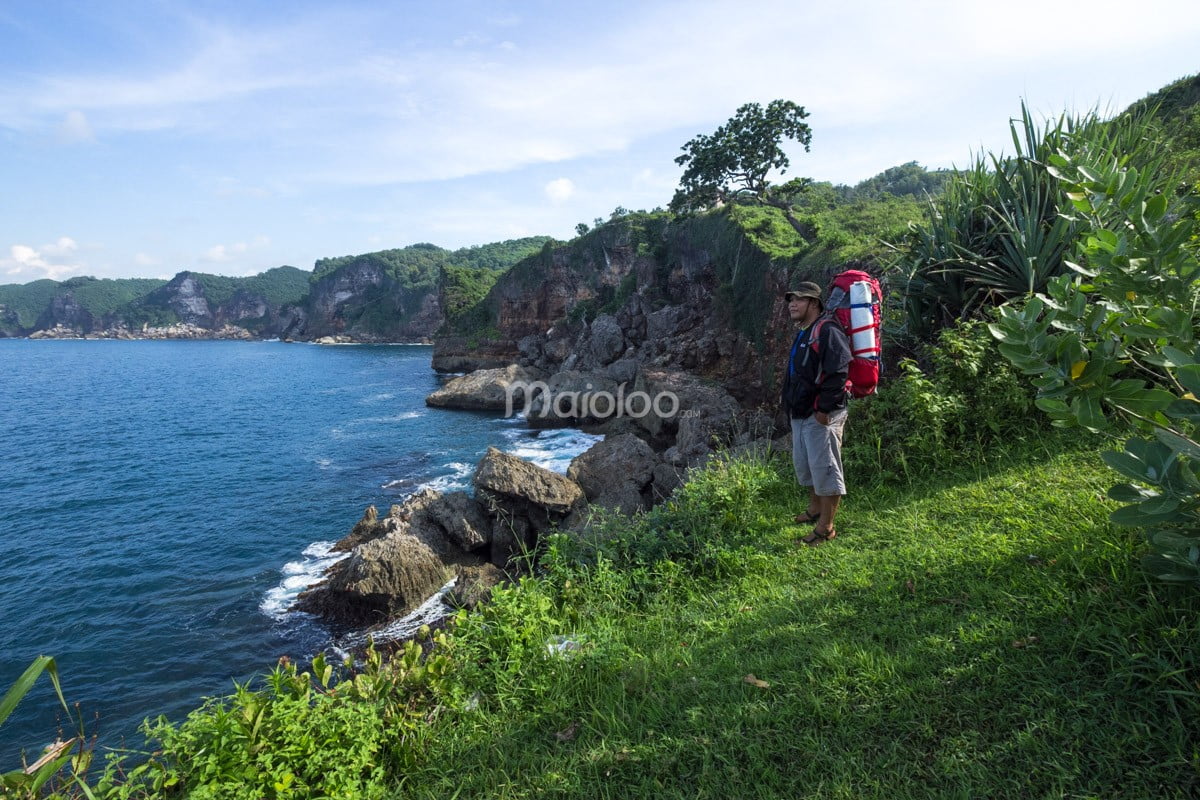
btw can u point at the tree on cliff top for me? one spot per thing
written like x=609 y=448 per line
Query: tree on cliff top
x=735 y=159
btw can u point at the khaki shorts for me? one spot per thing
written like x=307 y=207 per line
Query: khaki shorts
x=817 y=453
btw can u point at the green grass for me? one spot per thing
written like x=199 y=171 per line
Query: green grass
x=982 y=636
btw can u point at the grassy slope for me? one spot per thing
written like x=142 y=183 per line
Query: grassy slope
x=980 y=636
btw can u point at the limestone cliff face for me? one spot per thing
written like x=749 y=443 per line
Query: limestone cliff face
x=544 y=290
x=362 y=301
x=184 y=295
x=65 y=311
x=700 y=298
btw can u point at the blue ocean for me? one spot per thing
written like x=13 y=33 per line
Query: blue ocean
x=162 y=503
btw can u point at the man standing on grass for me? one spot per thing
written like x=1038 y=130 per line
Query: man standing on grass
x=814 y=394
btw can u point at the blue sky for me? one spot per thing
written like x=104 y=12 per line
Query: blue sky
x=144 y=138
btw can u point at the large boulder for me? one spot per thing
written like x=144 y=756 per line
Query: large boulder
x=606 y=340
x=398 y=561
x=383 y=578
x=617 y=473
x=524 y=501
x=486 y=390
x=462 y=519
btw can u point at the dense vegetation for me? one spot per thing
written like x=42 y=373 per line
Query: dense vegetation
x=27 y=301
x=461 y=278
x=278 y=287
x=418 y=265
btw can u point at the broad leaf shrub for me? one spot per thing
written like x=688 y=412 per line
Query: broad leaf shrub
x=965 y=399
x=302 y=734
x=1112 y=346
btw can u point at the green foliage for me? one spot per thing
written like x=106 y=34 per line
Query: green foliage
x=625 y=290
x=858 y=231
x=907 y=180
x=1177 y=108
x=1113 y=346
x=736 y=158
x=967 y=401
x=684 y=679
x=280 y=286
x=415 y=265
x=418 y=265
x=498 y=256
x=303 y=734
x=462 y=290
x=996 y=233
x=103 y=298
x=28 y=783
x=28 y=300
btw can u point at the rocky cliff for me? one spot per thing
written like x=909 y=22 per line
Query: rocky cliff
x=699 y=295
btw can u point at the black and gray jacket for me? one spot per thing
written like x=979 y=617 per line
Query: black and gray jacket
x=816 y=376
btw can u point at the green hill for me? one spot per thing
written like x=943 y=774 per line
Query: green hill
x=27 y=301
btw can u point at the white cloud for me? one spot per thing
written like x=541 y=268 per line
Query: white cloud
x=54 y=261
x=76 y=128
x=146 y=260
x=560 y=190
x=222 y=253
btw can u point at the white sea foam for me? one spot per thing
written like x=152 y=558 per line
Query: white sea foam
x=378 y=398
x=397 y=418
x=298 y=576
x=459 y=478
x=552 y=449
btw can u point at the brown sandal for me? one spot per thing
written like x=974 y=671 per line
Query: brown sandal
x=817 y=538
x=807 y=518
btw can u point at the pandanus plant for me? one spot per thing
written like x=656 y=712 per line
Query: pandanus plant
x=998 y=232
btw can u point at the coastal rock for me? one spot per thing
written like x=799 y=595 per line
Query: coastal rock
x=368 y=528
x=462 y=354
x=57 y=332
x=606 y=340
x=396 y=562
x=462 y=520
x=572 y=397
x=694 y=415
x=485 y=390
x=473 y=586
x=381 y=579
x=617 y=473
x=623 y=370
x=524 y=500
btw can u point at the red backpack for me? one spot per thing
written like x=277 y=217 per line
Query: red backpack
x=854 y=302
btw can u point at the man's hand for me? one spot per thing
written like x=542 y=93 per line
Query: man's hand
x=822 y=418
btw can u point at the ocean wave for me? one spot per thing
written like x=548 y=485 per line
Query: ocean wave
x=298 y=576
x=553 y=449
